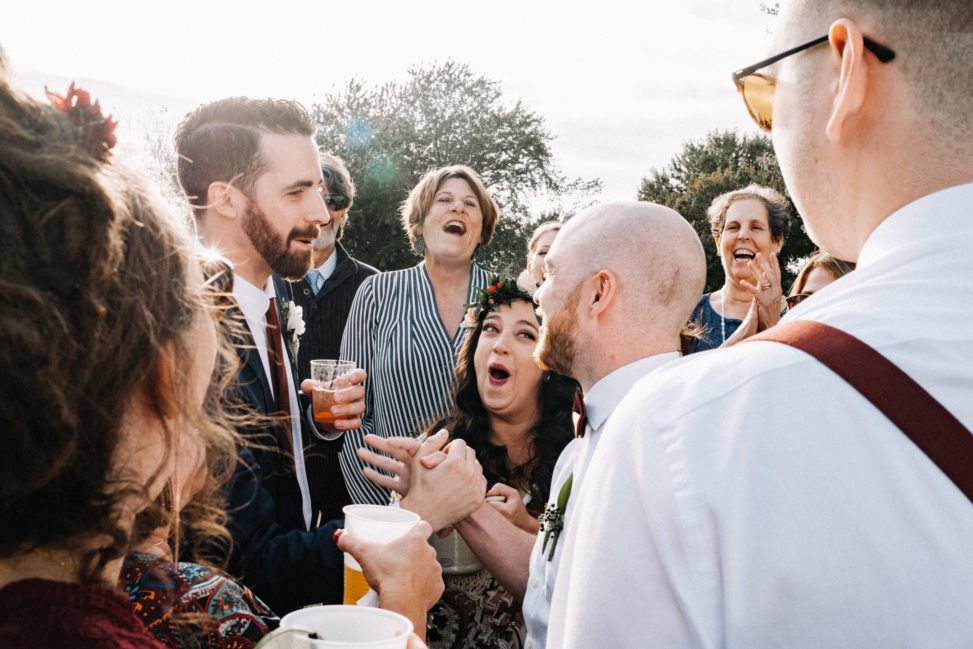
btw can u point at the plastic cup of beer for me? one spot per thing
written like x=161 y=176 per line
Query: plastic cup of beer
x=328 y=377
x=345 y=627
x=376 y=523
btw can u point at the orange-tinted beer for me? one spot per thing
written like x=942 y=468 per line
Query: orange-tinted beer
x=322 y=400
x=355 y=585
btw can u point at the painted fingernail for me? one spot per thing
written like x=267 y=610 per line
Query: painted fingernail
x=337 y=533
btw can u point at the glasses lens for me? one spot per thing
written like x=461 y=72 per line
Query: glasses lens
x=758 y=95
x=337 y=201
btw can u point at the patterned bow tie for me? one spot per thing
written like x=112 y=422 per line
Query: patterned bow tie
x=582 y=424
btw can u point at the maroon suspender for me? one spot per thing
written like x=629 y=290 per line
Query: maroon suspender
x=924 y=420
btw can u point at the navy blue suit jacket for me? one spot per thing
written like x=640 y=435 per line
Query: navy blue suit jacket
x=285 y=565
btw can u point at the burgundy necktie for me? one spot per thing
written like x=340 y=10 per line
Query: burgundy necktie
x=275 y=354
x=582 y=424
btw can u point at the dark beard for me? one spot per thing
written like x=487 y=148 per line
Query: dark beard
x=557 y=348
x=272 y=247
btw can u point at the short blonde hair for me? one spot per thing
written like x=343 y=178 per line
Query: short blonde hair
x=542 y=229
x=415 y=208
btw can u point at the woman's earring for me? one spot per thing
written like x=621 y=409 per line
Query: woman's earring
x=420 y=246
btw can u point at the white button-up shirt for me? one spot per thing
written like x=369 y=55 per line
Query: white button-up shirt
x=751 y=498
x=253 y=303
x=599 y=403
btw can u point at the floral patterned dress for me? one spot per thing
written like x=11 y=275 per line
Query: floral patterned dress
x=475 y=611
x=189 y=606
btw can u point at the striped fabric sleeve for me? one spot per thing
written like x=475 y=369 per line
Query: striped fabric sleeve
x=357 y=344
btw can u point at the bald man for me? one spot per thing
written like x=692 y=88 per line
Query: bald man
x=751 y=497
x=621 y=280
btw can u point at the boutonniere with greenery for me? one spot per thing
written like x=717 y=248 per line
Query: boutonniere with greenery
x=552 y=518
x=293 y=325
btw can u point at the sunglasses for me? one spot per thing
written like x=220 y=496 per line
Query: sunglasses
x=794 y=300
x=758 y=89
x=337 y=201
x=218 y=283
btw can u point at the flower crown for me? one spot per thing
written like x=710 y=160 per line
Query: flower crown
x=498 y=292
x=97 y=132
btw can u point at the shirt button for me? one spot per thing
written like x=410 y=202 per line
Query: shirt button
x=533 y=583
x=530 y=644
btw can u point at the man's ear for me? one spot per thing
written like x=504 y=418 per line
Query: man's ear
x=224 y=199
x=604 y=293
x=848 y=49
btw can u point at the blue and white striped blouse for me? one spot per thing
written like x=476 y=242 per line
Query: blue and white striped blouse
x=394 y=333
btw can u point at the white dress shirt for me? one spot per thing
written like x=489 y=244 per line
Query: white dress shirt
x=600 y=402
x=748 y=497
x=328 y=267
x=253 y=303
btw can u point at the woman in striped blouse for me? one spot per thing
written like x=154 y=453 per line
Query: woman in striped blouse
x=405 y=327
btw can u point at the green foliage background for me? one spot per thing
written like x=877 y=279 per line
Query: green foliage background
x=722 y=162
x=443 y=114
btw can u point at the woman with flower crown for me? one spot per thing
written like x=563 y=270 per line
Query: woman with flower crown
x=518 y=419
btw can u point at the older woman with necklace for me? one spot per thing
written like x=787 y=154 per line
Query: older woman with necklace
x=748 y=227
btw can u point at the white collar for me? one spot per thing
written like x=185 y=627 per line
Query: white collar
x=607 y=393
x=329 y=265
x=253 y=301
x=930 y=217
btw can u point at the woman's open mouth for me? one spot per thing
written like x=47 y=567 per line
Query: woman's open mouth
x=455 y=227
x=498 y=374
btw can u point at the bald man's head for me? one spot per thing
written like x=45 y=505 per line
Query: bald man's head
x=654 y=253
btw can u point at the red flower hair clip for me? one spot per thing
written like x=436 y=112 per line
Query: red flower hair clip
x=97 y=131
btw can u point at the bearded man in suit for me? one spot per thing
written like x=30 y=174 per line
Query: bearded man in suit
x=251 y=171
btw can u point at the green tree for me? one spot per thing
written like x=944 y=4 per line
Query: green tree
x=443 y=114
x=722 y=162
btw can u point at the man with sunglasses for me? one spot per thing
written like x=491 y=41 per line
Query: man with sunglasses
x=325 y=296
x=729 y=515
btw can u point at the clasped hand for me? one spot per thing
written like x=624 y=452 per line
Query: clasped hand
x=441 y=482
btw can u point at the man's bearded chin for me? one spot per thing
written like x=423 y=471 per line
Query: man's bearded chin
x=273 y=248
x=555 y=351
x=327 y=238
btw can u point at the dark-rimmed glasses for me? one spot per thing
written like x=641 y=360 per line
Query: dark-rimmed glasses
x=794 y=300
x=758 y=89
x=337 y=202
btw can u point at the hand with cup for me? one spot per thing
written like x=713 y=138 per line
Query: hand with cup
x=509 y=502
x=337 y=396
x=403 y=571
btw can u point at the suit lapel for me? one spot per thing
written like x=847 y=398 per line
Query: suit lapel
x=254 y=369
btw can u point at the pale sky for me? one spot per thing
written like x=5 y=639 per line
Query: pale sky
x=620 y=84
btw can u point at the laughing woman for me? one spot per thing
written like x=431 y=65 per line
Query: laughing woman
x=748 y=227
x=404 y=328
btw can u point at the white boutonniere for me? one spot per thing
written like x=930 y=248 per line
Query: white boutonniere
x=294 y=326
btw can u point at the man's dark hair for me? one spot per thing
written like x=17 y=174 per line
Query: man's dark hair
x=220 y=142
x=339 y=180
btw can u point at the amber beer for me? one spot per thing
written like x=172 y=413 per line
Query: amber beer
x=375 y=523
x=322 y=399
x=355 y=585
